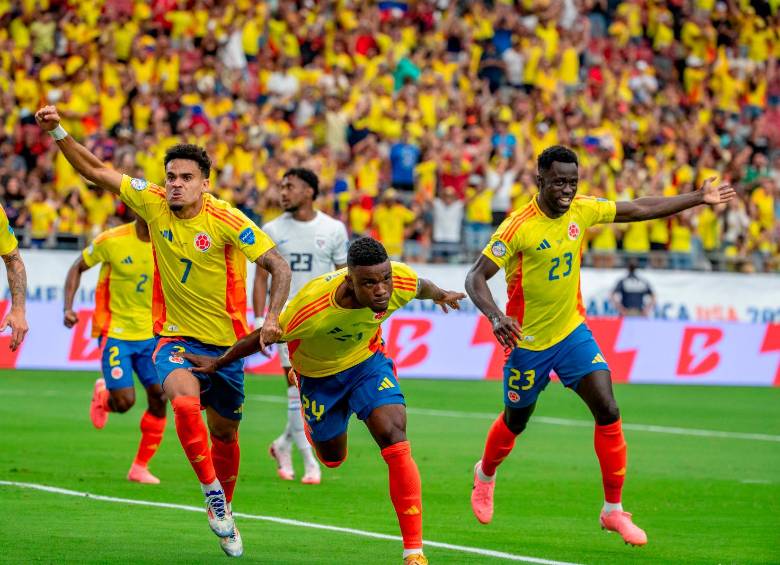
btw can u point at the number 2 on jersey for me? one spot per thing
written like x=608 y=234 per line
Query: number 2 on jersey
x=140 y=286
x=556 y=262
x=188 y=266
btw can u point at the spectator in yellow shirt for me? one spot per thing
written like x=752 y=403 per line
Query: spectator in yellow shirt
x=390 y=221
x=478 y=226
x=41 y=218
x=680 y=242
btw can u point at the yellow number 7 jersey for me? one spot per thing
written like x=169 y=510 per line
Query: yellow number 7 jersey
x=541 y=260
x=200 y=264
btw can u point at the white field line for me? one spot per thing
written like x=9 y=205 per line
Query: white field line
x=288 y=522
x=564 y=422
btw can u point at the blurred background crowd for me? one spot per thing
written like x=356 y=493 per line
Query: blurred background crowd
x=422 y=118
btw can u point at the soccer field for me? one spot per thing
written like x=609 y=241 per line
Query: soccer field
x=702 y=496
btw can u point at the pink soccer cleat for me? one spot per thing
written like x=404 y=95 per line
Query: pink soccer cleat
x=620 y=522
x=141 y=475
x=283 y=459
x=97 y=412
x=312 y=476
x=482 y=497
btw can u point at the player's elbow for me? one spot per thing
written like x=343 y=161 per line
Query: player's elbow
x=474 y=279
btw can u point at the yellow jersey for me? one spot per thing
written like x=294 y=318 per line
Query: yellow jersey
x=7 y=238
x=541 y=261
x=123 y=297
x=323 y=338
x=200 y=264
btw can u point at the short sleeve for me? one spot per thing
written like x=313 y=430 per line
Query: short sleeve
x=505 y=242
x=7 y=238
x=140 y=195
x=596 y=210
x=96 y=252
x=340 y=244
x=405 y=284
x=250 y=239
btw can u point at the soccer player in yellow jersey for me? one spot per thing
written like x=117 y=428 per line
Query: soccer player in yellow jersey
x=333 y=331
x=544 y=329
x=122 y=321
x=17 y=283
x=200 y=245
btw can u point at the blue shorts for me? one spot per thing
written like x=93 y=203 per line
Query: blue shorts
x=328 y=402
x=121 y=357
x=223 y=390
x=526 y=372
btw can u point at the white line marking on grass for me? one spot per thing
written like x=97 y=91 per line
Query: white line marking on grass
x=288 y=522
x=565 y=422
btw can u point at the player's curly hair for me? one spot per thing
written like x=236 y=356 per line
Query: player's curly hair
x=555 y=153
x=190 y=152
x=365 y=252
x=306 y=175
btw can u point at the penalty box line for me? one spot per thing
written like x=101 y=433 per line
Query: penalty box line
x=693 y=432
x=287 y=522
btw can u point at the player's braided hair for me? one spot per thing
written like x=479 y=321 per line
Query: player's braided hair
x=190 y=152
x=365 y=252
x=306 y=175
x=555 y=153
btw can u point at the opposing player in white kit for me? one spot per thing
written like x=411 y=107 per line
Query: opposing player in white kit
x=313 y=244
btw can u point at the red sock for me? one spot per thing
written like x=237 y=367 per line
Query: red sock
x=105 y=394
x=500 y=441
x=193 y=436
x=405 y=492
x=226 y=457
x=611 y=451
x=152 y=429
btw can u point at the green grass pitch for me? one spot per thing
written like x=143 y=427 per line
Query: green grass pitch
x=701 y=499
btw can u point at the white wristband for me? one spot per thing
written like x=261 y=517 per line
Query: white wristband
x=58 y=133
x=259 y=321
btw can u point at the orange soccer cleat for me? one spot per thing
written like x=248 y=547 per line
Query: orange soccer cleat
x=482 y=497
x=620 y=522
x=97 y=409
x=141 y=474
x=416 y=559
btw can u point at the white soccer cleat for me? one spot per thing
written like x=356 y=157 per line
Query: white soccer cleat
x=232 y=544
x=220 y=517
x=282 y=453
x=312 y=476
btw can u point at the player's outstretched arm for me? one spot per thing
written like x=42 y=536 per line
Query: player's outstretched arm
x=506 y=329
x=444 y=298
x=85 y=163
x=17 y=284
x=651 y=207
x=72 y=283
x=281 y=276
x=244 y=347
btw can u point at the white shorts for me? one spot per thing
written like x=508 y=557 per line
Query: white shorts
x=284 y=355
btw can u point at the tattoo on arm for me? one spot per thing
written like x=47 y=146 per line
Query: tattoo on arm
x=17 y=278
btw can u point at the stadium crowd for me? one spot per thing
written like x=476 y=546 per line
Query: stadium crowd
x=421 y=118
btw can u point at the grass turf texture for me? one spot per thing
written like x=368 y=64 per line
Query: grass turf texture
x=700 y=499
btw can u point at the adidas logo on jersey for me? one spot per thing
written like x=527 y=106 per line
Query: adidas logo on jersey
x=386 y=383
x=543 y=245
x=599 y=358
x=167 y=234
x=127 y=260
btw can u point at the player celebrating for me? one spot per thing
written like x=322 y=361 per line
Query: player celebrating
x=543 y=329
x=198 y=303
x=17 y=283
x=123 y=323
x=313 y=244
x=332 y=328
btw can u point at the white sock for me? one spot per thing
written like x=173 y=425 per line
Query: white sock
x=408 y=552
x=298 y=435
x=483 y=477
x=293 y=412
x=610 y=506
x=212 y=486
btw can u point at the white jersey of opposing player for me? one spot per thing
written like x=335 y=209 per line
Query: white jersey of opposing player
x=311 y=248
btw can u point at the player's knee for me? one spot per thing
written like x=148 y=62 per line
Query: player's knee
x=225 y=435
x=517 y=419
x=607 y=414
x=122 y=403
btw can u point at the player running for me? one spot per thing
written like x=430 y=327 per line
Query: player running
x=198 y=304
x=17 y=283
x=313 y=244
x=544 y=328
x=122 y=321
x=333 y=330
